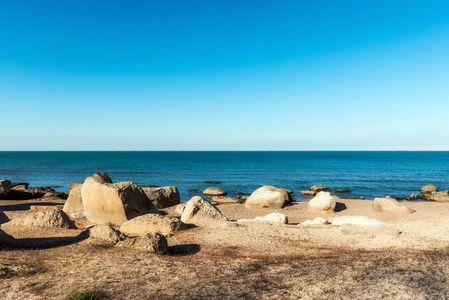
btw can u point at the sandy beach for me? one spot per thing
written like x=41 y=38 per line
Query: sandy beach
x=219 y=259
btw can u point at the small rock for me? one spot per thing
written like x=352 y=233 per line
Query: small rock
x=318 y=188
x=214 y=191
x=341 y=191
x=224 y=200
x=308 y=193
x=355 y=220
x=199 y=206
x=316 y=221
x=153 y=243
x=390 y=205
x=106 y=233
x=78 y=215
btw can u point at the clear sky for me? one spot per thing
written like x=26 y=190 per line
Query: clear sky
x=224 y=75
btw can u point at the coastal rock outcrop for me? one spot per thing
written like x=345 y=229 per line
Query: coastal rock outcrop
x=201 y=207
x=323 y=203
x=267 y=197
x=5 y=187
x=107 y=203
x=390 y=205
x=427 y=189
x=153 y=243
x=163 y=197
x=214 y=191
x=151 y=223
x=438 y=196
x=44 y=218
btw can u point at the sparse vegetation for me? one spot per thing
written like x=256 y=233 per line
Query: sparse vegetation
x=94 y=295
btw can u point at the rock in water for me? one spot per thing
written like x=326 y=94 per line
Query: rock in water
x=214 y=191
x=318 y=188
x=164 y=196
x=3 y=218
x=324 y=203
x=106 y=233
x=267 y=197
x=151 y=223
x=390 y=205
x=107 y=203
x=5 y=187
x=44 y=218
x=199 y=206
x=74 y=203
x=154 y=243
x=427 y=189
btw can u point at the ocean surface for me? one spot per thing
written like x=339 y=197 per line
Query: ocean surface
x=366 y=173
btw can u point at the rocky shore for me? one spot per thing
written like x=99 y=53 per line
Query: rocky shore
x=124 y=241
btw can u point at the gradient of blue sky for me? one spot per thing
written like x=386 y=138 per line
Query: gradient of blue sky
x=224 y=75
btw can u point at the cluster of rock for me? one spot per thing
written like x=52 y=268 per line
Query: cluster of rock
x=21 y=191
x=431 y=193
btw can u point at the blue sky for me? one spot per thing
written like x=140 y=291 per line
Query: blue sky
x=224 y=75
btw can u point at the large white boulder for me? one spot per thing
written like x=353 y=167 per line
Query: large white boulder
x=267 y=197
x=322 y=204
x=107 y=203
x=390 y=205
x=199 y=206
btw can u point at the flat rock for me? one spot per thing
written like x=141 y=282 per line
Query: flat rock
x=316 y=221
x=44 y=218
x=214 y=191
x=390 y=205
x=163 y=197
x=318 y=188
x=224 y=200
x=273 y=218
x=341 y=191
x=151 y=223
x=153 y=243
x=308 y=193
x=355 y=220
x=199 y=206
x=107 y=203
x=323 y=203
x=438 y=196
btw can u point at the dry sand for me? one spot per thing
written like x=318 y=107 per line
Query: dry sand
x=224 y=260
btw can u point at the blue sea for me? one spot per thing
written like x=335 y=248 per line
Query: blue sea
x=366 y=173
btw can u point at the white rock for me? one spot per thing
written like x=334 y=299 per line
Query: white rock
x=324 y=203
x=316 y=221
x=355 y=220
x=273 y=218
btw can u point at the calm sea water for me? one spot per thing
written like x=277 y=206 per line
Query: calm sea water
x=367 y=173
